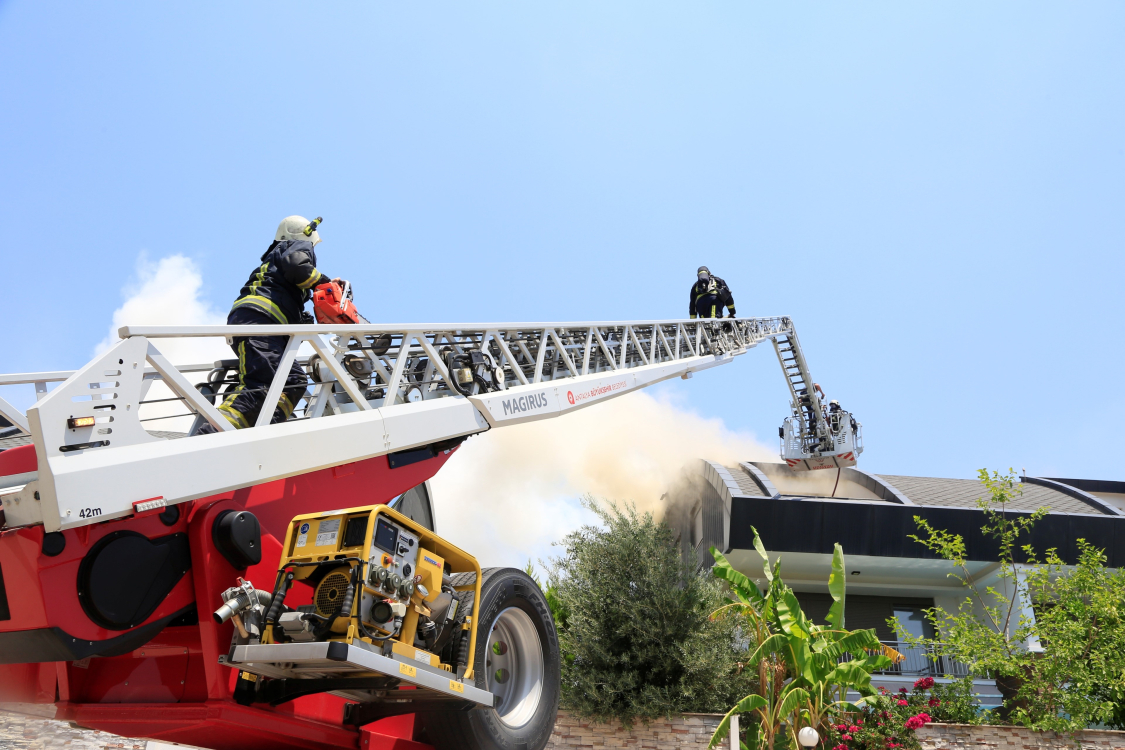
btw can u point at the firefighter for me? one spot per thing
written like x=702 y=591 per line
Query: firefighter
x=709 y=295
x=275 y=294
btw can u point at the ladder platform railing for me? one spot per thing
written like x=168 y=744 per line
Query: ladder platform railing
x=373 y=390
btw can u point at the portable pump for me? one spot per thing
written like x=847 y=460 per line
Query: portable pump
x=369 y=578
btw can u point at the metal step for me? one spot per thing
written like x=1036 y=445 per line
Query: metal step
x=336 y=659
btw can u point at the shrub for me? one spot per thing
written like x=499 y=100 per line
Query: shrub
x=889 y=721
x=638 y=642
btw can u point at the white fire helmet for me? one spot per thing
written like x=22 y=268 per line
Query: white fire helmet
x=298 y=228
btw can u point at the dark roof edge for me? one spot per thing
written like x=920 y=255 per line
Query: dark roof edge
x=1074 y=492
x=814 y=526
x=1092 y=485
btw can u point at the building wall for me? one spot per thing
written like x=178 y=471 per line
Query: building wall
x=861 y=611
x=693 y=731
x=965 y=737
x=687 y=732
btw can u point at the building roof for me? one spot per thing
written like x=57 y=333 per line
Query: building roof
x=964 y=493
x=14 y=442
x=1058 y=496
x=873 y=515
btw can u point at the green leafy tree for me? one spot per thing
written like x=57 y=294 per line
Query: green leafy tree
x=1061 y=669
x=805 y=670
x=638 y=642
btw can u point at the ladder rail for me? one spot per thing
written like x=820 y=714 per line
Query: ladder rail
x=404 y=399
x=804 y=402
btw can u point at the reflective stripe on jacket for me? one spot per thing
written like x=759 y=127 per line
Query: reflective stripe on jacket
x=708 y=299
x=282 y=284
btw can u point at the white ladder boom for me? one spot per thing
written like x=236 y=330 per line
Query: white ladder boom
x=374 y=390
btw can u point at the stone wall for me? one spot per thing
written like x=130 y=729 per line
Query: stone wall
x=966 y=737
x=687 y=732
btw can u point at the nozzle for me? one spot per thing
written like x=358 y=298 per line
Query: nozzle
x=230 y=608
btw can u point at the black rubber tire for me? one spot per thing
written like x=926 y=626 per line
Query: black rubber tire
x=481 y=729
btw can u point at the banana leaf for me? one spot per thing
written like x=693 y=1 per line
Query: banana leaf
x=744 y=706
x=762 y=552
x=835 y=618
x=745 y=589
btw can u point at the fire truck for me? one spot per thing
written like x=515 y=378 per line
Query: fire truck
x=285 y=585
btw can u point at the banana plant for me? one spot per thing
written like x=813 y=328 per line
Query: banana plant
x=805 y=670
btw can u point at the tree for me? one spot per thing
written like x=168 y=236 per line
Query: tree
x=1062 y=669
x=638 y=641
x=805 y=671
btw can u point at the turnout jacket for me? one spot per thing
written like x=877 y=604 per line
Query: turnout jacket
x=282 y=284
x=708 y=299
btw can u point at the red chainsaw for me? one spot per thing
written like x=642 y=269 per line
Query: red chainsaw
x=333 y=304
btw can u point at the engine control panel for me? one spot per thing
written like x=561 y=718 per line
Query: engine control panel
x=394 y=558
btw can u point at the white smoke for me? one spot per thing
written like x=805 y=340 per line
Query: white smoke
x=167 y=293
x=508 y=494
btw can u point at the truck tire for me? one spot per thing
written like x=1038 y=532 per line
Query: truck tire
x=517 y=659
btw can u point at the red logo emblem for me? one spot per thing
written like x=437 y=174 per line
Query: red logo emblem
x=570 y=397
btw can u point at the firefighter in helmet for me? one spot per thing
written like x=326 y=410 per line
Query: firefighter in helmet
x=275 y=294
x=709 y=295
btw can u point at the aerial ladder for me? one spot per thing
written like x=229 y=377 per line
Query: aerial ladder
x=284 y=585
x=816 y=435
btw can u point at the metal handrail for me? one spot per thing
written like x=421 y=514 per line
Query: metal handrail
x=920 y=661
x=374 y=390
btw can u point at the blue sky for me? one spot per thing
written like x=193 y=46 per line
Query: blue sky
x=934 y=191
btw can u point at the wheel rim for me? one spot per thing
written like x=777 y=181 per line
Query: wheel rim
x=514 y=666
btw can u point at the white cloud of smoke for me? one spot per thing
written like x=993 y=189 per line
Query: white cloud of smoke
x=509 y=493
x=167 y=292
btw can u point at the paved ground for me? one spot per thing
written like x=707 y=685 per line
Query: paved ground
x=35 y=733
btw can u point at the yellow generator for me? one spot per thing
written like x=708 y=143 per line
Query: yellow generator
x=399 y=621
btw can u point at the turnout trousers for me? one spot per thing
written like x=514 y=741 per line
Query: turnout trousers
x=258 y=359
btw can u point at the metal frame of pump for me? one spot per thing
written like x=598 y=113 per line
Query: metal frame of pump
x=277 y=654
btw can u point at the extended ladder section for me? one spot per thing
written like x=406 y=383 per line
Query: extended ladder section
x=817 y=435
x=406 y=391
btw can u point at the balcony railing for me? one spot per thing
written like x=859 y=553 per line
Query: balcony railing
x=921 y=661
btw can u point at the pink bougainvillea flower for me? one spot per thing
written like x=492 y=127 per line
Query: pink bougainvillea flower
x=846 y=737
x=924 y=684
x=903 y=703
x=934 y=702
x=853 y=728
